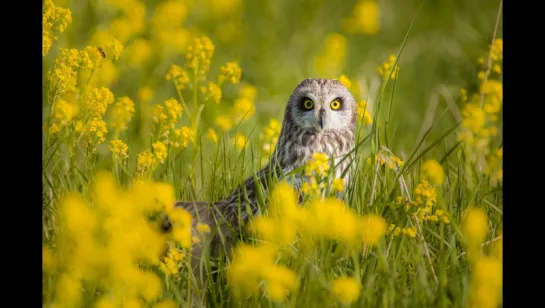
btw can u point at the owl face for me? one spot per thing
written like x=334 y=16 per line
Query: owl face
x=322 y=105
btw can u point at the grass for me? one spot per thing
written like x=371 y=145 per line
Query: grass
x=100 y=250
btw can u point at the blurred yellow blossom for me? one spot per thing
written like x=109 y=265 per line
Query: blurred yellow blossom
x=345 y=81
x=346 y=290
x=212 y=92
x=387 y=66
x=433 y=172
x=373 y=229
x=121 y=113
x=331 y=60
x=364 y=114
x=364 y=19
x=224 y=122
x=211 y=135
x=240 y=141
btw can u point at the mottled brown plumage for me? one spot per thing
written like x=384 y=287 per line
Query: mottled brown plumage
x=303 y=133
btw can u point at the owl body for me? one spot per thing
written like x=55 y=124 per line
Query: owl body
x=320 y=117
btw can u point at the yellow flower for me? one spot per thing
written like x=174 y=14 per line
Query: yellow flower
x=433 y=171
x=280 y=280
x=54 y=22
x=224 y=122
x=346 y=290
x=409 y=231
x=243 y=109
x=365 y=18
x=475 y=226
x=331 y=60
x=179 y=76
x=212 y=135
x=68 y=290
x=138 y=52
x=319 y=165
x=240 y=141
x=160 y=151
x=199 y=54
x=230 y=71
x=373 y=229
x=98 y=100
x=388 y=66
x=145 y=161
x=249 y=266
x=331 y=218
x=48 y=260
x=338 y=185
x=119 y=148
x=122 y=113
x=204 y=228
x=96 y=131
x=248 y=91
x=345 y=81
x=364 y=114
x=184 y=136
x=145 y=94
x=213 y=92
x=166 y=304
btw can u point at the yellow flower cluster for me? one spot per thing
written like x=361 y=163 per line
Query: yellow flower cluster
x=212 y=92
x=425 y=198
x=365 y=18
x=96 y=132
x=244 y=106
x=270 y=135
x=54 y=22
x=327 y=218
x=346 y=290
x=433 y=171
x=318 y=165
x=121 y=113
x=387 y=66
x=486 y=270
x=199 y=54
x=480 y=117
x=183 y=137
x=130 y=20
x=63 y=114
x=166 y=117
x=179 y=76
x=166 y=22
x=387 y=158
x=364 y=116
x=496 y=58
x=330 y=62
x=104 y=244
x=252 y=265
x=240 y=141
x=212 y=136
x=97 y=101
x=110 y=47
x=231 y=71
x=119 y=148
x=171 y=263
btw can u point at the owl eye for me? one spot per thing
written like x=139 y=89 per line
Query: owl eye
x=308 y=104
x=335 y=104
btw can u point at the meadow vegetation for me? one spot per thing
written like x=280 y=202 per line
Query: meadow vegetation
x=149 y=102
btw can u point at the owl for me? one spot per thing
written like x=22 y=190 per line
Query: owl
x=320 y=116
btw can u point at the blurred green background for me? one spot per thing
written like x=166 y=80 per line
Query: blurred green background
x=276 y=43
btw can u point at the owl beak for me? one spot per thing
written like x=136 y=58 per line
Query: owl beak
x=322 y=118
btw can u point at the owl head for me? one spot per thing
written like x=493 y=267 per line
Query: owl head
x=322 y=105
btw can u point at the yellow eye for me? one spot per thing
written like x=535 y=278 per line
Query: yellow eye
x=308 y=104
x=336 y=104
